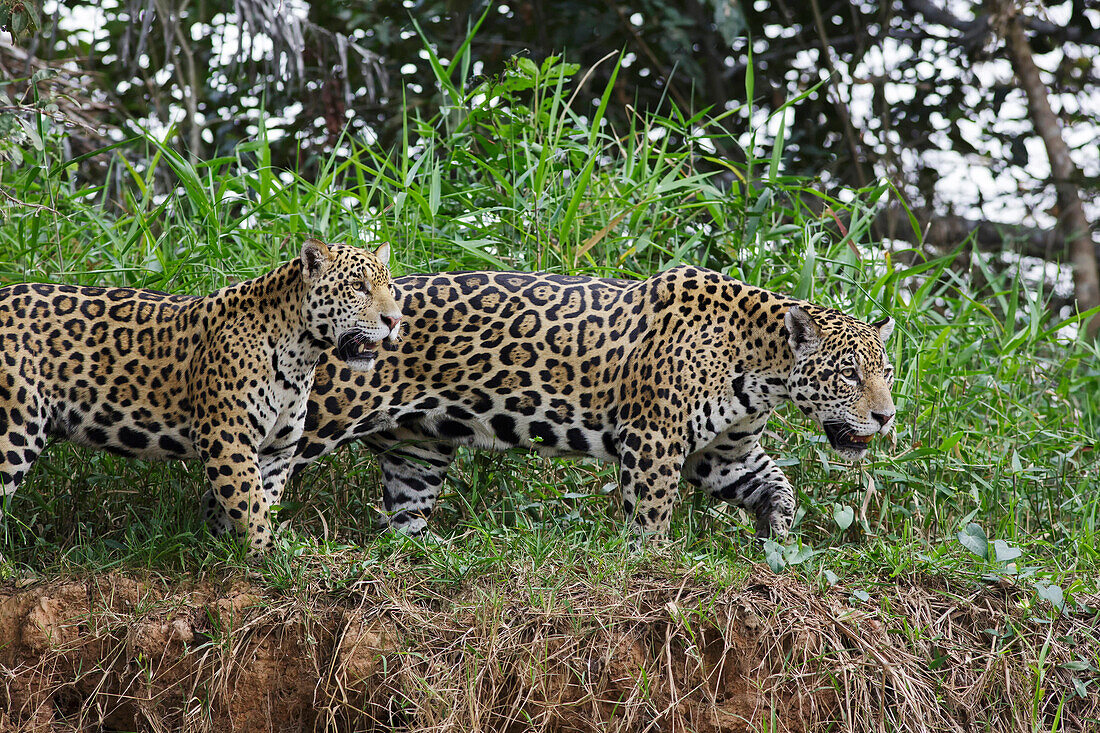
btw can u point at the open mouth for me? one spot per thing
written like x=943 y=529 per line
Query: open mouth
x=356 y=346
x=842 y=437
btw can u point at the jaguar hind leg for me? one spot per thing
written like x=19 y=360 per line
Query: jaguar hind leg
x=413 y=470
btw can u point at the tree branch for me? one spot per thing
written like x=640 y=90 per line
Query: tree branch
x=659 y=67
x=935 y=14
x=945 y=232
x=841 y=107
x=976 y=30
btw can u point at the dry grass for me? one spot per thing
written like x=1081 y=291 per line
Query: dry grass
x=521 y=650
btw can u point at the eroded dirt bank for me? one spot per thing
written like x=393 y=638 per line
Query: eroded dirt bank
x=121 y=652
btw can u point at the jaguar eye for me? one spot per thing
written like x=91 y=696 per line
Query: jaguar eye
x=888 y=373
x=849 y=373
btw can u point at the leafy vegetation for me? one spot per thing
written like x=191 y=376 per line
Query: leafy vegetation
x=992 y=478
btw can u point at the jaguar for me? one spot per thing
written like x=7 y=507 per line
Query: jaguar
x=222 y=378
x=673 y=377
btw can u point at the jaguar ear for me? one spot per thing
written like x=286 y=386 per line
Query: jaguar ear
x=885 y=327
x=383 y=253
x=802 y=333
x=315 y=258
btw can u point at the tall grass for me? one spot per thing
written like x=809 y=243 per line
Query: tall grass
x=999 y=408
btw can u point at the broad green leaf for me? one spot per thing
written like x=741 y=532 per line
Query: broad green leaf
x=974 y=539
x=527 y=66
x=773 y=555
x=1005 y=551
x=843 y=515
x=795 y=554
x=1052 y=593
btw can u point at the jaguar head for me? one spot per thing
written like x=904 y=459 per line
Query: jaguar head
x=841 y=375
x=352 y=302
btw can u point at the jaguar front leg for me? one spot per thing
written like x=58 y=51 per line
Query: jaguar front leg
x=274 y=467
x=275 y=472
x=751 y=480
x=216 y=518
x=237 y=487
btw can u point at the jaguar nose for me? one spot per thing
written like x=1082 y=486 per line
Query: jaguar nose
x=883 y=417
x=391 y=321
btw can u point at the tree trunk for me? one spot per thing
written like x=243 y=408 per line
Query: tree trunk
x=1074 y=225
